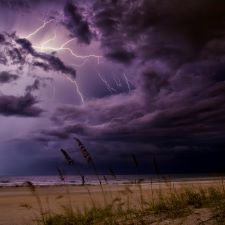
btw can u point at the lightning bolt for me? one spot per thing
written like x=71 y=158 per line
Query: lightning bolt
x=47 y=48
x=77 y=88
x=63 y=47
x=48 y=41
x=110 y=89
x=67 y=42
x=127 y=82
x=45 y=23
x=117 y=81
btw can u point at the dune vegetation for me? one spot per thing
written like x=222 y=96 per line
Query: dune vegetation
x=138 y=203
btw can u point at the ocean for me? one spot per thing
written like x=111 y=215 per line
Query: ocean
x=93 y=180
x=70 y=179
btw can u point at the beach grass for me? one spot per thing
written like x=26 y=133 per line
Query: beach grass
x=153 y=206
x=138 y=203
x=135 y=206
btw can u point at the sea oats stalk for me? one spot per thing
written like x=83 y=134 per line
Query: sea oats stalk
x=88 y=158
x=33 y=190
x=156 y=167
x=111 y=171
x=135 y=161
x=71 y=162
x=138 y=181
x=157 y=171
x=105 y=179
x=67 y=157
x=84 y=151
x=61 y=174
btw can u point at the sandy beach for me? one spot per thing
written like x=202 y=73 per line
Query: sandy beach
x=19 y=206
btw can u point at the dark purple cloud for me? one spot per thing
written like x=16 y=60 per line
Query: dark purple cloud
x=14 y=4
x=23 y=4
x=179 y=96
x=158 y=30
x=175 y=52
x=6 y=77
x=121 y=55
x=76 y=23
x=33 y=87
x=50 y=62
x=2 y=38
x=15 y=51
x=23 y=106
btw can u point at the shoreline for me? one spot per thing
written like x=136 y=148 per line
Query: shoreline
x=153 y=180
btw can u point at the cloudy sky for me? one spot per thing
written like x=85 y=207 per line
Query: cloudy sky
x=127 y=77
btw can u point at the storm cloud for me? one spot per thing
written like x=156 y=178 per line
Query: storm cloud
x=179 y=98
x=23 y=106
x=50 y=61
x=33 y=87
x=6 y=77
x=174 y=54
x=76 y=24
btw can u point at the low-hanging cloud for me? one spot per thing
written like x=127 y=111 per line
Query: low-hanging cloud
x=6 y=77
x=15 y=51
x=23 y=106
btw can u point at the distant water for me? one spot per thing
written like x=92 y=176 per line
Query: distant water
x=74 y=180
x=92 y=179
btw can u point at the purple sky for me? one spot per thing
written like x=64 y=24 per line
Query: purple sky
x=127 y=77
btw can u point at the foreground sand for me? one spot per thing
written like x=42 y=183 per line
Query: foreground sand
x=19 y=206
